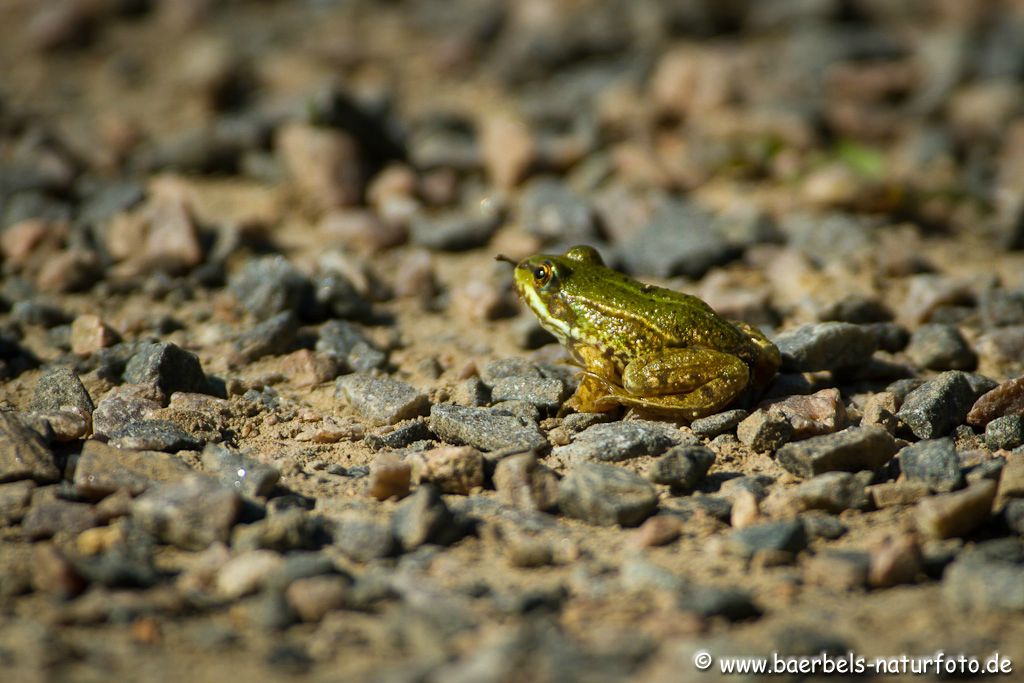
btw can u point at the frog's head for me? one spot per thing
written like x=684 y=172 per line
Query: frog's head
x=543 y=280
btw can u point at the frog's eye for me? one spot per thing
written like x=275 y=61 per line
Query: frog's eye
x=542 y=274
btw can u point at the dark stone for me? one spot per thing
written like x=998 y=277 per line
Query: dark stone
x=834 y=492
x=856 y=309
x=337 y=297
x=485 y=429
x=494 y=370
x=1005 y=432
x=364 y=538
x=60 y=389
x=733 y=604
x=456 y=231
x=155 y=435
x=422 y=518
x=553 y=211
x=268 y=286
x=682 y=467
x=788 y=535
x=271 y=337
x=23 y=453
x=283 y=531
x=825 y=346
x=38 y=314
x=48 y=517
x=247 y=475
x=381 y=400
x=980 y=581
x=190 y=514
x=851 y=450
x=937 y=407
x=711 y=426
x=933 y=461
x=765 y=430
x=122 y=406
x=616 y=441
x=169 y=367
x=891 y=337
x=680 y=239
x=547 y=394
x=402 y=436
x=940 y=347
x=102 y=470
x=346 y=343
x=1001 y=307
x=606 y=495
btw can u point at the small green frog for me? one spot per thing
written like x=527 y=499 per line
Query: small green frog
x=640 y=345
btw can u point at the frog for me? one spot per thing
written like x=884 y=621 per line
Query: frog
x=639 y=345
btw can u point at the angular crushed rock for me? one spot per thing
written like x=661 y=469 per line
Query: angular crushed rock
x=989 y=578
x=60 y=389
x=851 y=450
x=154 y=435
x=103 y=469
x=422 y=518
x=934 y=462
x=190 y=514
x=169 y=367
x=363 y=537
x=1006 y=432
x=123 y=405
x=765 y=430
x=786 y=535
x=46 y=518
x=616 y=441
x=452 y=469
x=940 y=347
x=488 y=430
x=345 y=342
x=1005 y=399
x=271 y=337
x=268 y=286
x=606 y=495
x=955 y=515
x=833 y=492
x=547 y=394
x=381 y=400
x=239 y=471
x=937 y=407
x=23 y=454
x=711 y=426
x=682 y=467
x=522 y=481
x=825 y=346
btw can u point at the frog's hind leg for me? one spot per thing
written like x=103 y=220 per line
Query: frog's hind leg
x=688 y=382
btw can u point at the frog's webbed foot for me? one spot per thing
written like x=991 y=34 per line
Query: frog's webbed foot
x=591 y=396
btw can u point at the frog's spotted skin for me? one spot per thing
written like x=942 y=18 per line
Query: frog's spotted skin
x=640 y=345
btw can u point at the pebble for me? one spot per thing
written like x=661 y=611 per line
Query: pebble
x=89 y=334
x=14 y=501
x=46 y=518
x=833 y=492
x=494 y=370
x=661 y=249
x=1011 y=479
x=61 y=425
x=271 y=337
x=934 y=462
x=381 y=400
x=346 y=342
x=389 y=477
x=940 y=347
x=239 y=471
x=154 y=435
x=53 y=574
x=312 y=598
x=1005 y=399
x=363 y=538
x=891 y=337
x=657 y=531
x=547 y=394
x=820 y=413
x=169 y=367
x=102 y=470
x=452 y=469
x=606 y=495
x=453 y=231
x=485 y=429
x=338 y=297
x=786 y=536
x=268 y=286
x=307 y=368
x=851 y=450
x=980 y=581
x=825 y=346
x=1001 y=308
x=892 y=493
x=523 y=482
x=60 y=389
x=508 y=148
x=1005 y=432
x=713 y=425
x=38 y=314
x=956 y=515
x=324 y=163
x=733 y=604
x=842 y=570
x=190 y=514
x=246 y=573
x=281 y=531
x=895 y=561
x=422 y=518
x=1013 y=515
x=23 y=453
x=937 y=407
x=124 y=405
x=682 y=467
x=553 y=211
x=617 y=441
x=880 y=409
x=764 y=431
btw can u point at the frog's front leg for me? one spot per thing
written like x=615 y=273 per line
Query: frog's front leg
x=600 y=372
x=690 y=383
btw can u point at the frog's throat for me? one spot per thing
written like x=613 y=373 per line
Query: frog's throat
x=560 y=328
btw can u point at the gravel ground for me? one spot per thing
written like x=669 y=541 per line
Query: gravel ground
x=269 y=408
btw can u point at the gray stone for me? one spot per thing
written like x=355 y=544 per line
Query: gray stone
x=103 y=469
x=271 y=337
x=23 y=454
x=363 y=538
x=14 y=500
x=934 y=462
x=1005 y=432
x=169 y=367
x=662 y=248
x=825 y=346
x=281 y=531
x=60 y=389
x=422 y=518
x=734 y=604
x=49 y=517
x=1001 y=307
x=268 y=286
x=616 y=441
x=454 y=231
x=788 y=536
x=547 y=394
x=240 y=471
x=485 y=429
x=553 y=211
x=338 y=297
x=937 y=407
x=154 y=435
x=381 y=400
x=495 y=370
x=955 y=515
x=345 y=342
x=190 y=514
x=682 y=467
x=851 y=450
x=606 y=495
x=313 y=597
x=765 y=430
x=940 y=347
x=123 y=405
x=400 y=436
x=711 y=426
x=522 y=481
x=987 y=582
x=833 y=492
x=1013 y=514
